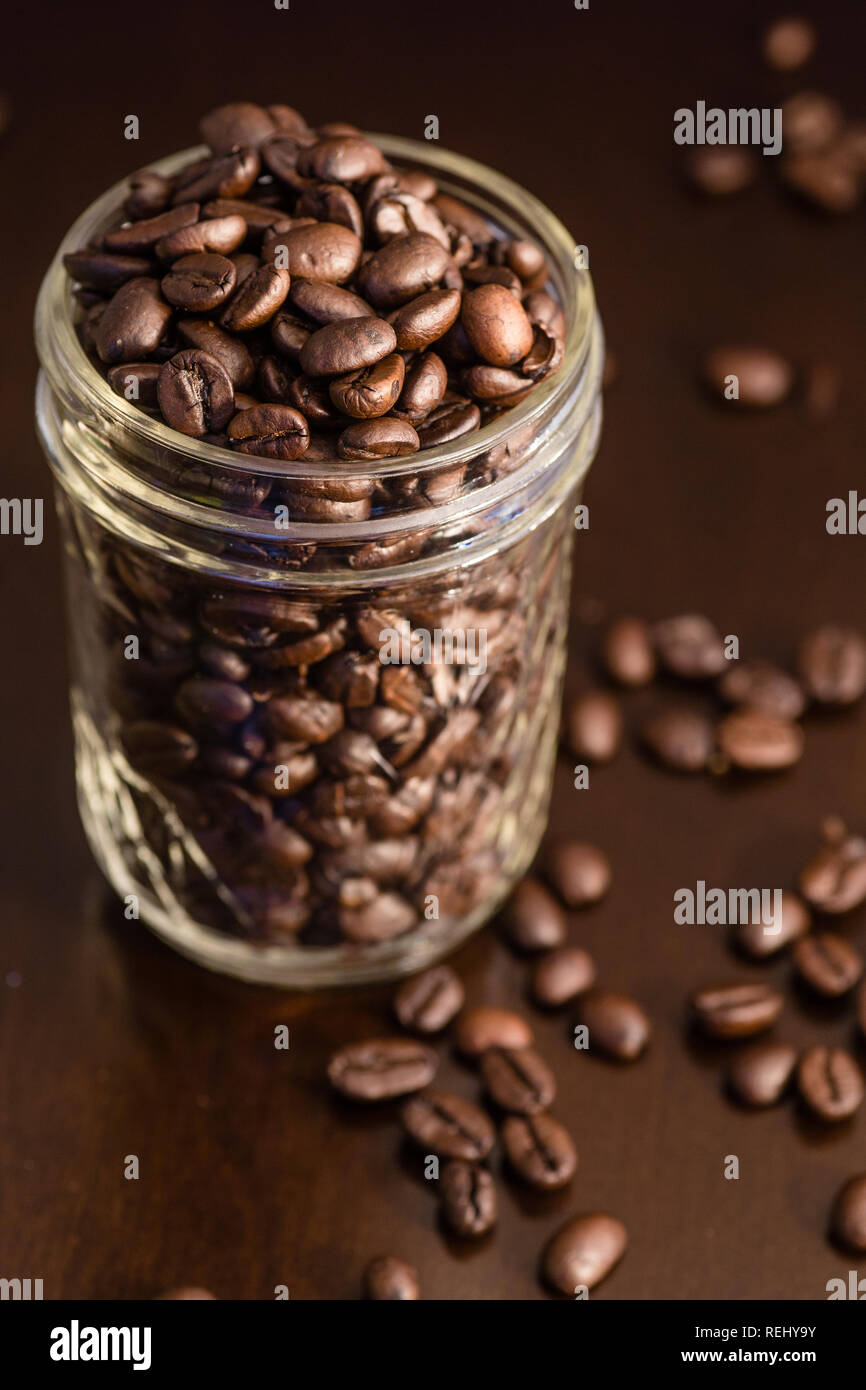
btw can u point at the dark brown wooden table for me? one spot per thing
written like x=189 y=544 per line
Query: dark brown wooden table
x=251 y=1175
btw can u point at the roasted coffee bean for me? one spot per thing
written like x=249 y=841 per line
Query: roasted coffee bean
x=736 y=1010
x=424 y=320
x=763 y=378
x=496 y=386
x=388 y=1279
x=762 y=686
x=594 y=725
x=517 y=1079
x=628 y=653
x=346 y=346
x=399 y=212
x=385 y=918
x=369 y=393
x=204 y=701
x=378 y=439
x=848 y=1217
x=230 y=351
x=143 y=235
x=224 y=176
x=468 y=1198
x=257 y=216
x=761 y=1074
x=100 y=270
x=195 y=393
x=583 y=1252
x=137 y=381
x=341 y=159
x=811 y=122
x=830 y=1083
x=690 y=647
x=618 y=1025
x=133 y=322
x=331 y=202
x=833 y=665
x=219 y=235
x=442 y=1123
x=719 y=170
x=288 y=334
x=189 y=1293
x=484 y=1027
x=158 y=749
x=829 y=180
x=456 y=213
x=271 y=431
x=759 y=742
x=449 y=421
x=428 y=1002
x=326 y=303
x=540 y=1150
x=834 y=880
x=237 y=124
x=496 y=324
x=760 y=939
x=788 y=43
x=382 y=1068
x=257 y=300
x=561 y=976
x=828 y=963
x=424 y=386
x=578 y=872
x=322 y=251
x=305 y=717
x=149 y=194
x=544 y=310
x=533 y=918
x=406 y=267
x=680 y=738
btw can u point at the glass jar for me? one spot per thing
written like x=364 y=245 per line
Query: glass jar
x=316 y=705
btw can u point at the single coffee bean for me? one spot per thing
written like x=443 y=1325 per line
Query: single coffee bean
x=133 y=322
x=456 y=213
x=449 y=421
x=484 y=1027
x=763 y=378
x=627 y=652
x=758 y=742
x=618 y=1025
x=833 y=665
x=257 y=300
x=428 y=1002
x=448 y=1125
x=204 y=701
x=830 y=1082
x=388 y=1279
x=219 y=235
x=158 y=749
x=369 y=393
x=812 y=122
x=834 y=880
x=143 y=235
x=137 y=381
x=195 y=393
x=224 y=176
x=425 y=319
x=540 y=1150
x=236 y=124
x=562 y=975
x=331 y=202
x=322 y=251
x=378 y=439
x=230 y=351
x=828 y=963
x=579 y=873
x=100 y=270
x=583 y=1252
x=720 y=170
x=149 y=194
x=736 y=1010
x=680 y=738
x=423 y=388
x=326 y=303
x=271 y=431
x=347 y=345
x=199 y=283
x=382 y=1068
x=594 y=726
x=386 y=917
x=468 y=1197
x=760 y=685
x=788 y=43
x=761 y=1074
x=517 y=1079
x=257 y=216
x=497 y=325
x=848 y=1217
x=406 y=267
x=690 y=647
x=534 y=920
x=760 y=939
x=342 y=159
x=829 y=180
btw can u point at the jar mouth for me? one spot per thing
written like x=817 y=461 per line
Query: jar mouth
x=74 y=379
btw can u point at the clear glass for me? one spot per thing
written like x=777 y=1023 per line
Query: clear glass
x=368 y=789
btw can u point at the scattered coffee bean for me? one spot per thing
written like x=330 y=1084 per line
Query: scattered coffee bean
x=689 y=647
x=720 y=170
x=583 y=1252
x=830 y=1082
x=760 y=1075
x=517 y=1079
x=428 y=1002
x=382 y=1068
x=763 y=378
x=540 y=1150
x=828 y=963
x=562 y=975
x=788 y=43
x=188 y=1293
x=533 y=918
x=484 y=1027
x=680 y=738
x=594 y=726
x=834 y=880
x=810 y=123
x=736 y=1010
x=760 y=939
x=468 y=1197
x=833 y=665
x=389 y=1279
x=758 y=742
x=618 y=1025
x=760 y=685
x=628 y=653
x=270 y=431
x=828 y=180
x=448 y=1125
x=848 y=1218
x=579 y=873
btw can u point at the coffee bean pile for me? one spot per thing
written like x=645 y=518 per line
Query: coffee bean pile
x=517 y=1084
x=291 y=294
x=823 y=159
x=761 y=732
